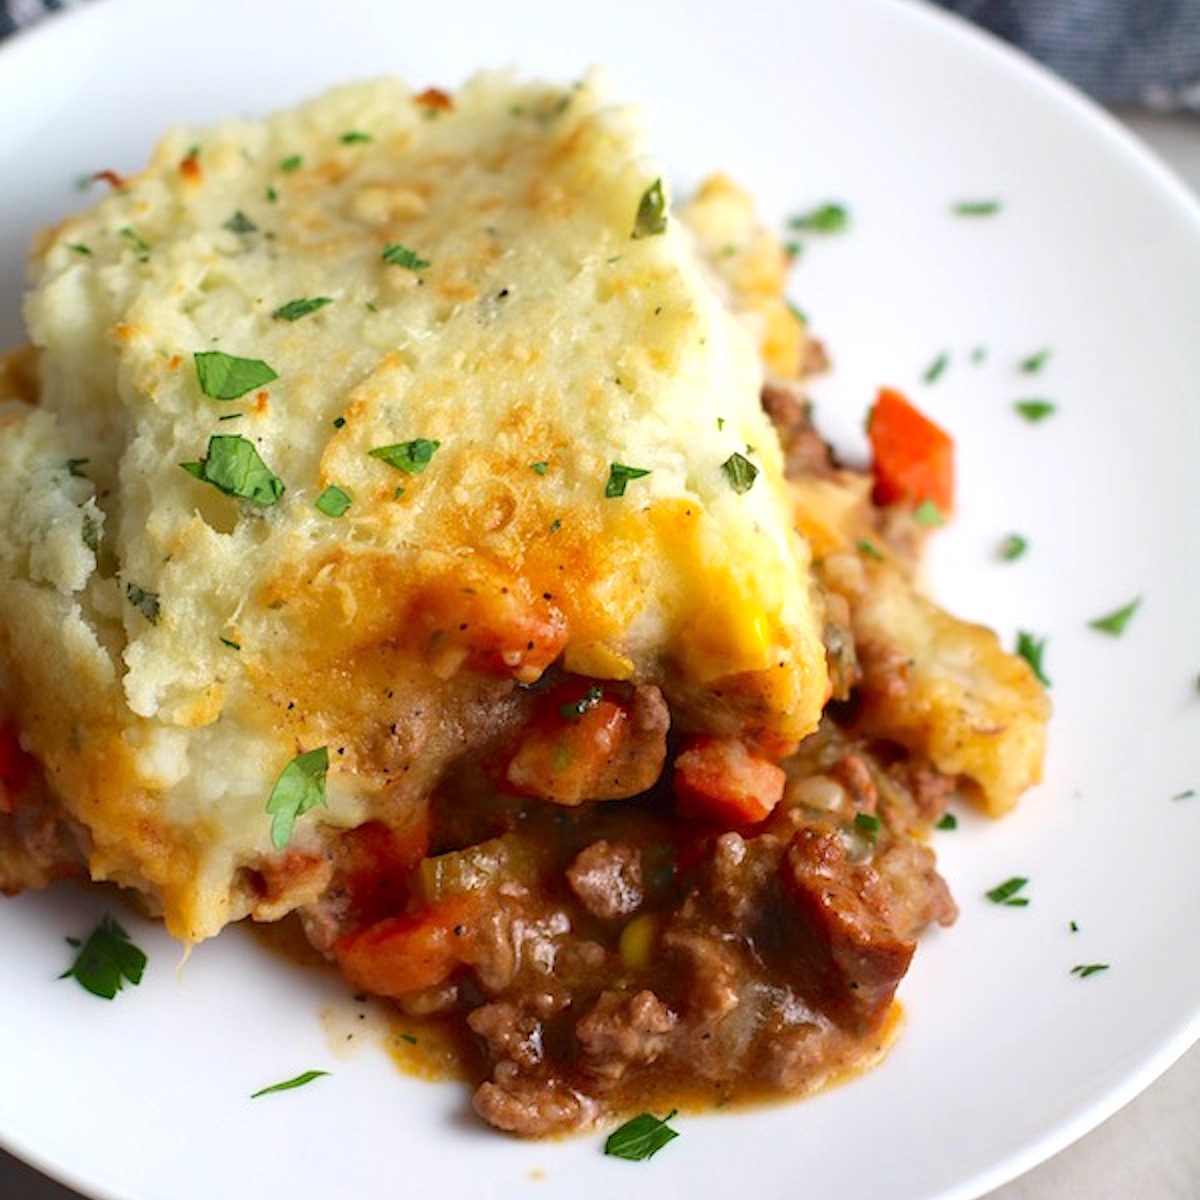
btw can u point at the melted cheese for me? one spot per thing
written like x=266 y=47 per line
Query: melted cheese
x=481 y=287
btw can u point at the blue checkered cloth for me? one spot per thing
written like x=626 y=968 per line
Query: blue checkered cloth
x=1143 y=53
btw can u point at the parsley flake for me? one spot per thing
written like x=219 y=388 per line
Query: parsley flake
x=411 y=457
x=300 y=787
x=293 y=162
x=928 y=515
x=619 y=475
x=869 y=549
x=333 y=501
x=1033 y=650
x=145 y=602
x=80 y=248
x=1006 y=892
x=140 y=245
x=1083 y=970
x=354 y=137
x=288 y=1084
x=226 y=376
x=947 y=821
x=976 y=208
x=1013 y=547
x=573 y=710
x=867 y=824
x=740 y=472
x=293 y=310
x=233 y=466
x=539 y=468
x=397 y=255
x=937 y=368
x=1034 y=411
x=1114 y=623
x=830 y=217
x=1035 y=362
x=240 y=223
x=651 y=218
x=107 y=961
x=641 y=1137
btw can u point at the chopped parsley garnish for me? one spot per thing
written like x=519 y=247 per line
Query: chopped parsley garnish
x=867 y=824
x=293 y=162
x=619 y=475
x=1083 y=970
x=740 y=472
x=928 y=515
x=89 y=532
x=1035 y=362
x=1033 y=650
x=79 y=248
x=1114 y=623
x=937 y=368
x=539 y=468
x=976 y=208
x=293 y=310
x=354 y=137
x=412 y=457
x=107 y=961
x=226 y=376
x=240 y=223
x=1006 y=892
x=145 y=602
x=234 y=467
x=397 y=255
x=869 y=549
x=139 y=244
x=1013 y=547
x=651 y=218
x=231 y=643
x=333 y=501
x=556 y=525
x=574 y=709
x=641 y=1137
x=300 y=787
x=1034 y=410
x=288 y=1084
x=825 y=218
x=1187 y=794
x=947 y=821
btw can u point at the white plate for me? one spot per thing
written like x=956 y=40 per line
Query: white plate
x=898 y=112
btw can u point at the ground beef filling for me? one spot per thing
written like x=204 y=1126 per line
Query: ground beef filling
x=609 y=956
x=613 y=916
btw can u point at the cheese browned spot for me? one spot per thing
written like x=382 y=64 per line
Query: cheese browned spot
x=480 y=289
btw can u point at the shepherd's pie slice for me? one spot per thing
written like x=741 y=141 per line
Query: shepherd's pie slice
x=354 y=426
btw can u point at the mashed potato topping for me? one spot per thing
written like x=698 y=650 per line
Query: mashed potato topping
x=353 y=420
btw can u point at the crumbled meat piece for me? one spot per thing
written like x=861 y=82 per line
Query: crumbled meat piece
x=623 y=1031
x=804 y=450
x=511 y=1033
x=534 y=1107
x=845 y=931
x=607 y=878
x=917 y=895
x=855 y=776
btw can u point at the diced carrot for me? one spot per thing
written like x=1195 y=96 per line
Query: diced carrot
x=718 y=779
x=912 y=458
x=408 y=953
x=373 y=863
x=565 y=750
